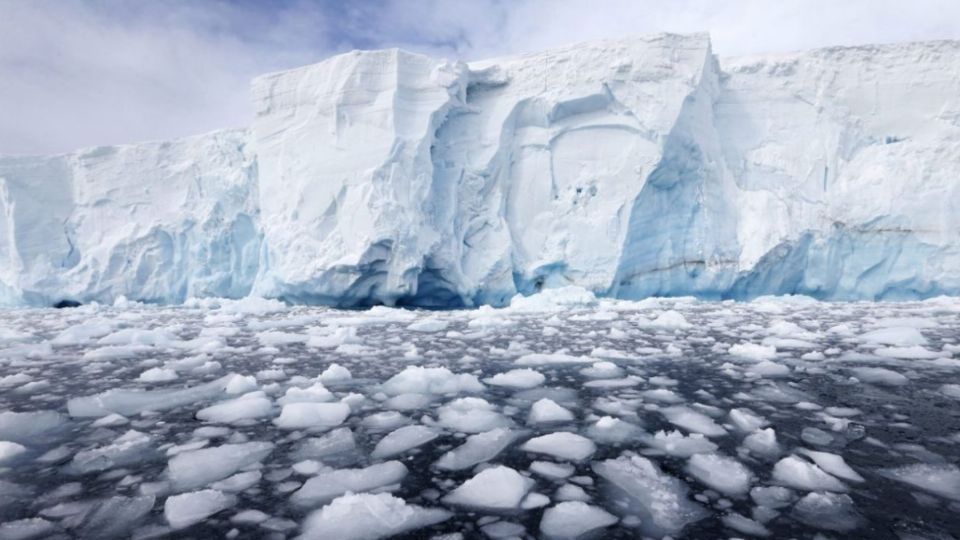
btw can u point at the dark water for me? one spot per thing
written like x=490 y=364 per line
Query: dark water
x=911 y=422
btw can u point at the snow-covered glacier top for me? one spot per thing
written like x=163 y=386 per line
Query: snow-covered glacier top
x=631 y=168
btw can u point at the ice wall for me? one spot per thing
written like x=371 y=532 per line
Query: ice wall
x=157 y=222
x=632 y=167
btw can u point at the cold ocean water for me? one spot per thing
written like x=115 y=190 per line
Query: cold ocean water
x=559 y=416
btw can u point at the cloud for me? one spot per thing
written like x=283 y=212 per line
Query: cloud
x=80 y=73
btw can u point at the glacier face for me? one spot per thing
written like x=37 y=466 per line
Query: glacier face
x=632 y=168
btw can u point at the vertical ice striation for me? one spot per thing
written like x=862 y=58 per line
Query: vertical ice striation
x=633 y=167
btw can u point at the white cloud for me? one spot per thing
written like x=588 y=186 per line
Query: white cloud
x=79 y=73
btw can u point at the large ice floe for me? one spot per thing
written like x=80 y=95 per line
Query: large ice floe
x=559 y=416
x=633 y=167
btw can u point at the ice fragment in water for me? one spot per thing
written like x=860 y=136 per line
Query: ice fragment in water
x=367 y=516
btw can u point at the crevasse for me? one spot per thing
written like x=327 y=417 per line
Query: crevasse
x=632 y=168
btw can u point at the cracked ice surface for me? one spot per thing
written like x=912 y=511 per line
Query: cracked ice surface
x=561 y=416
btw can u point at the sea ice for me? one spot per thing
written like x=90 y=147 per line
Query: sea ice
x=328 y=485
x=478 y=449
x=191 y=470
x=797 y=473
x=188 y=508
x=517 y=378
x=471 y=415
x=724 y=474
x=546 y=410
x=563 y=445
x=439 y=380
x=312 y=415
x=571 y=520
x=690 y=420
x=245 y=407
x=497 y=488
x=366 y=516
x=403 y=439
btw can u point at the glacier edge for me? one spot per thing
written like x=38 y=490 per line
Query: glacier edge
x=633 y=168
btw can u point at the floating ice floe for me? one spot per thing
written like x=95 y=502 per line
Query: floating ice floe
x=722 y=473
x=478 y=449
x=328 y=485
x=545 y=411
x=497 y=488
x=690 y=420
x=942 y=480
x=517 y=378
x=188 y=508
x=366 y=516
x=246 y=407
x=312 y=415
x=439 y=380
x=563 y=445
x=471 y=415
x=191 y=470
x=402 y=440
x=640 y=488
x=571 y=520
x=798 y=473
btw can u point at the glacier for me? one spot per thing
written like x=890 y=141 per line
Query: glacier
x=632 y=168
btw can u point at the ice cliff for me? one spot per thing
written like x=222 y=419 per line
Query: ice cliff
x=632 y=168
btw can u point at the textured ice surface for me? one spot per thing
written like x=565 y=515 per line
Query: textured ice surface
x=439 y=450
x=630 y=168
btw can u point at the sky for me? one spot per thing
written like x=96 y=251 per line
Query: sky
x=82 y=73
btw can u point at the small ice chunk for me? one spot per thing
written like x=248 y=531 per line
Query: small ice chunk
x=190 y=470
x=721 y=473
x=245 y=407
x=241 y=384
x=366 y=516
x=829 y=511
x=570 y=520
x=571 y=492
x=338 y=441
x=690 y=420
x=329 y=485
x=478 y=449
x=546 y=410
x=833 y=464
x=131 y=447
x=746 y=421
x=131 y=402
x=602 y=370
x=430 y=324
x=335 y=373
x=9 y=451
x=517 y=378
x=438 y=380
x=546 y=359
x=882 y=376
x=384 y=421
x=797 y=473
x=896 y=336
x=768 y=369
x=745 y=525
x=763 y=442
x=496 y=488
x=670 y=320
x=157 y=374
x=753 y=351
x=27 y=427
x=471 y=415
x=312 y=415
x=316 y=393
x=403 y=439
x=563 y=445
x=188 y=508
x=951 y=390
x=238 y=482
x=554 y=471
x=674 y=443
x=26 y=528
x=942 y=480
x=660 y=501
x=612 y=430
